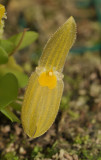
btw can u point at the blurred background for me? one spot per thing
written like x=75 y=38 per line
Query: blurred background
x=76 y=133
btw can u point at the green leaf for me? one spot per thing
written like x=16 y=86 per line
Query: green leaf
x=16 y=106
x=8 y=89
x=12 y=64
x=13 y=67
x=3 y=56
x=29 y=37
x=21 y=77
x=7 y=45
x=8 y=113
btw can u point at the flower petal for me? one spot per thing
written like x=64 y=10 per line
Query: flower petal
x=40 y=106
x=2 y=12
x=56 y=49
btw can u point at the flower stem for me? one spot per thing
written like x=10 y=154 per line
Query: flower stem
x=18 y=45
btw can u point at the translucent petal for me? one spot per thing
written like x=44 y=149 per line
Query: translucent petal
x=56 y=49
x=40 y=106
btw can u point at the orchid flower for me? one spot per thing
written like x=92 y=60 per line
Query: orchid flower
x=2 y=15
x=2 y=12
x=45 y=87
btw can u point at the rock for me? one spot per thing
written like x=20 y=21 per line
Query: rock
x=22 y=150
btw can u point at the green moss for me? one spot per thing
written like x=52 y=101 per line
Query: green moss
x=82 y=140
x=10 y=156
x=36 y=152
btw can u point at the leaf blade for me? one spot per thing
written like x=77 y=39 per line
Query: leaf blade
x=8 y=89
x=14 y=68
x=8 y=113
x=3 y=56
x=29 y=37
x=7 y=45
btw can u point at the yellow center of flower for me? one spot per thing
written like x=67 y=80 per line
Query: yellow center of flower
x=2 y=12
x=48 y=79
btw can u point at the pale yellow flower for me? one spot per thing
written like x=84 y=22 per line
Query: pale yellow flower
x=45 y=87
x=2 y=13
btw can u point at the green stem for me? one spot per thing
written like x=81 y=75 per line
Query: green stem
x=17 y=47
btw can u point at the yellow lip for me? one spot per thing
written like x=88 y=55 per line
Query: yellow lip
x=48 y=79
